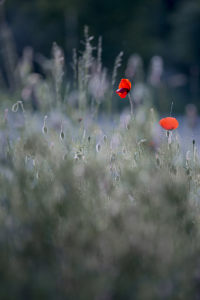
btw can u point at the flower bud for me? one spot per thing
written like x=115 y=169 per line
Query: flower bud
x=15 y=107
x=62 y=135
x=98 y=147
x=44 y=129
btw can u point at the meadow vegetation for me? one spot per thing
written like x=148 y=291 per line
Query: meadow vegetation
x=93 y=209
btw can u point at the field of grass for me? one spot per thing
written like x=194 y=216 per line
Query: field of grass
x=91 y=209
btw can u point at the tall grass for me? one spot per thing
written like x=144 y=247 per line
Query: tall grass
x=89 y=210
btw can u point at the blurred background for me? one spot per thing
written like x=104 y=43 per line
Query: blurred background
x=95 y=204
x=161 y=35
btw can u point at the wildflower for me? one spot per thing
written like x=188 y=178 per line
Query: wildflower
x=124 y=88
x=169 y=123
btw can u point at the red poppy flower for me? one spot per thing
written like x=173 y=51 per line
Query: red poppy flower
x=124 y=88
x=169 y=123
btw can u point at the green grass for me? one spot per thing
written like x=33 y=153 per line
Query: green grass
x=88 y=212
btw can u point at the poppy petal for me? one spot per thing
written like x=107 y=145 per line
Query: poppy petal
x=124 y=88
x=122 y=92
x=125 y=83
x=169 y=123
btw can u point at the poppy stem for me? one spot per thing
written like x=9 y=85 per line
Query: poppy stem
x=131 y=103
